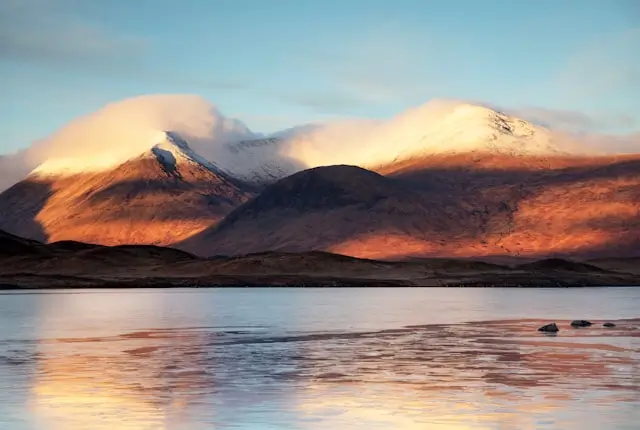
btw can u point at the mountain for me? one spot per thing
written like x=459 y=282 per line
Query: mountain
x=320 y=208
x=258 y=161
x=124 y=129
x=12 y=245
x=462 y=205
x=443 y=179
x=435 y=128
x=161 y=196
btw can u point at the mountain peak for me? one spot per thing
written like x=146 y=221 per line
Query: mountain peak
x=164 y=194
x=167 y=147
x=438 y=127
x=171 y=151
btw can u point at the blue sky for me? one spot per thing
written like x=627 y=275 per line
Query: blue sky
x=573 y=64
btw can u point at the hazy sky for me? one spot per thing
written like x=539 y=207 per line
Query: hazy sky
x=573 y=64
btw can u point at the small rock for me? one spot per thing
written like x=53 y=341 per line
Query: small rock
x=608 y=324
x=549 y=328
x=580 y=323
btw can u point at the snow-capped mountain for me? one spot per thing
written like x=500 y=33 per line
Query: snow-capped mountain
x=162 y=195
x=258 y=161
x=122 y=130
x=435 y=128
x=167 y=171
x=167 y=147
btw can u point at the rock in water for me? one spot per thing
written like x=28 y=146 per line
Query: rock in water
x=608 y=324
x=549 y=328
x=580 y=323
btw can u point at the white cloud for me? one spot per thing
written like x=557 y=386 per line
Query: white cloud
x=127 y=128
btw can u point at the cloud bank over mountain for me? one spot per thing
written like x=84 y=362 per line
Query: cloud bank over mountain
x=124 y=129
x=127 y=128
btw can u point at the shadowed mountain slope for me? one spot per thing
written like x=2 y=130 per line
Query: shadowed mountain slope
x=464 y=205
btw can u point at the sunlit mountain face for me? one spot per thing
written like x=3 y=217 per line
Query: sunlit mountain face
x=454 y=179
x=462 y=205
x=164 y=194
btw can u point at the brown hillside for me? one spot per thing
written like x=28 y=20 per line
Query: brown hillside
x=469 y=205
x=139 y=202
x=32 y=264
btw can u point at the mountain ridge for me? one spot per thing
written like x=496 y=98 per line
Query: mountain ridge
x=163 y=194
x=453 y=207
x=435 y=128
x=480 y=183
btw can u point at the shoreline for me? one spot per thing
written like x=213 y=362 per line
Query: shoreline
x=44 y=282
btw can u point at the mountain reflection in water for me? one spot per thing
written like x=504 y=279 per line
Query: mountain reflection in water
x=493 y=374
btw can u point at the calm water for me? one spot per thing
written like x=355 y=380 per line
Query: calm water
x=318 y=359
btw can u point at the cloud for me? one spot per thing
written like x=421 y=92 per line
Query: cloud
x=275 y=123
x=52 y=33
x=129 y=127
x=611 y=144
x=13 y=168
x=125 y=129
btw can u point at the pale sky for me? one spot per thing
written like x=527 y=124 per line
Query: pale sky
x=571 y=64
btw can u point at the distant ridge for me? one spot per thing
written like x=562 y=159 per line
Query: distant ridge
x=31 y=264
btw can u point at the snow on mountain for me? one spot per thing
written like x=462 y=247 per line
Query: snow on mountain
x=125 y=129
x=173 y=151
x=257 y=161
x=160 y=196
x=437 y=127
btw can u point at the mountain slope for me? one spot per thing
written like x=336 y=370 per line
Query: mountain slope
x=159 y=197
x=539 y=206
x=437 y=127
x=462 y=205
x=319 y=208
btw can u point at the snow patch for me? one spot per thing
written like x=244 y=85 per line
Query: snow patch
x=173 y=151
x=437 y=127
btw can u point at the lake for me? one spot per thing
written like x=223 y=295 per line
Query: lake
x=380 y=358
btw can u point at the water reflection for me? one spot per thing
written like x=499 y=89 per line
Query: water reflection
x=127 y=361
x=461 y=377
x=489 y=375
x=115 y=382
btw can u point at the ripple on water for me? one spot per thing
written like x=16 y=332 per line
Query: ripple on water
x=483 y=374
